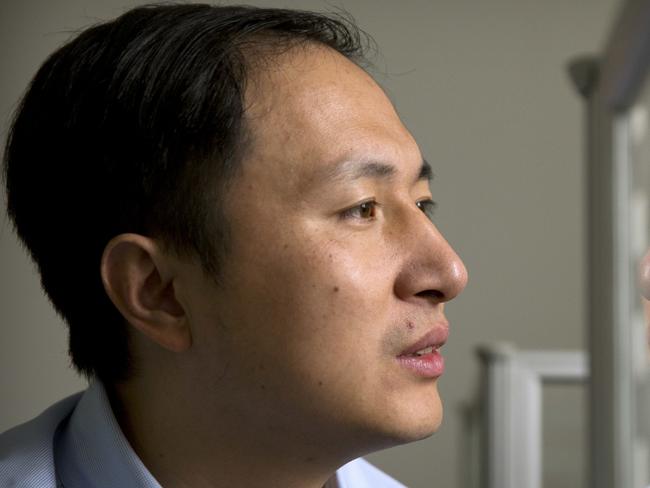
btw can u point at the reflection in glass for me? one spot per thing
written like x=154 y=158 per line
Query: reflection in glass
x=635 y=306
x=639 y=157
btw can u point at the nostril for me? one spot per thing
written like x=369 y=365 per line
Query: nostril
x=435 y=294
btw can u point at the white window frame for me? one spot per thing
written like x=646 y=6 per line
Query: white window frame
x=618 y=452
x=512 y=409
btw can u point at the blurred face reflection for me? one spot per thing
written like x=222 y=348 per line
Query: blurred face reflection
x=644 y=285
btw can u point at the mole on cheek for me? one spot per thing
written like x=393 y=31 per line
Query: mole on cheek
x=336 y=289
x=409 y=325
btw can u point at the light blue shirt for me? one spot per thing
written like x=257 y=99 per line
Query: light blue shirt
x=77 y=443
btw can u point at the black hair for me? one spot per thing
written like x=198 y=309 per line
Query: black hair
x=136 y=125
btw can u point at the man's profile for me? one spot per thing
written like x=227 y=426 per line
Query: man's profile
x=234 y=223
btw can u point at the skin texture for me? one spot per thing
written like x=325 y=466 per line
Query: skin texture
x=288 y=370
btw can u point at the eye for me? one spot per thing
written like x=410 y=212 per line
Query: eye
x=427 y=206
x=363 y=211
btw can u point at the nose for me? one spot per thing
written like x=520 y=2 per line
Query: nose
x=431 y=268
x=644 y=276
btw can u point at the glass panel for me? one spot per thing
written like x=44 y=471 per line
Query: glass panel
x=635 y=305
x=639 y=164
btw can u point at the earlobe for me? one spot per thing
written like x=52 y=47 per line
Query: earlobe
x=140 y=285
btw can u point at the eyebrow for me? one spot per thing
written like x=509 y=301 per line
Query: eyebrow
x=426 y=172
x=354 y=170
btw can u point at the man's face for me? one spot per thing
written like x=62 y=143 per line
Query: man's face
x=324 y=293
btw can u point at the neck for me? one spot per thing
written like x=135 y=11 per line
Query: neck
x=185 y=443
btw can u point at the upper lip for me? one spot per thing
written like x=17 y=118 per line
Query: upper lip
x=435 y=337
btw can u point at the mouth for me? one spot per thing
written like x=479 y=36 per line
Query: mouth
x=425 y=351
x=423 y=357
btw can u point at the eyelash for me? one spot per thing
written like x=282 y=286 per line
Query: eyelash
x=354 y=212
x=427 y=207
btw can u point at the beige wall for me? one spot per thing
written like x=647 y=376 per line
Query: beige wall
x=482 y=86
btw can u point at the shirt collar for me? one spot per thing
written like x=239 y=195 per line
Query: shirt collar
x=91 y=450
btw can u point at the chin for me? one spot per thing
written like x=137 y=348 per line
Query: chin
x=410 y=422
x=422 y=429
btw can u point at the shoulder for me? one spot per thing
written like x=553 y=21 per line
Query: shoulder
x=361 y=474
x=26 y=454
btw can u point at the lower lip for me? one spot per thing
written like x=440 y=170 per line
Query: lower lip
x=429 y=365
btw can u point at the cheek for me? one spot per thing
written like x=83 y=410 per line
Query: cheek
x=317 y=298
x=333 y=280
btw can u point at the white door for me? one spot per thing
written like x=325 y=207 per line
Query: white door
x=619 y=235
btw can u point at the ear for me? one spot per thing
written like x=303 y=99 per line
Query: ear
x=138 y=279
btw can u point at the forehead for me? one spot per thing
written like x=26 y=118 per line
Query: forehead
x=311 y=108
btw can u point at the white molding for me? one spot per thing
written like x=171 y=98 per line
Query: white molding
x=513 y=409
